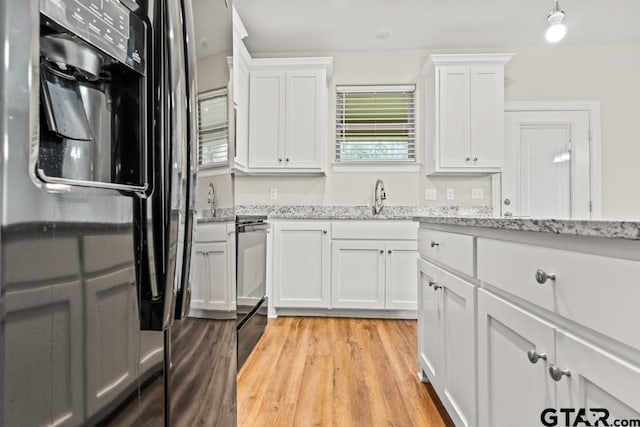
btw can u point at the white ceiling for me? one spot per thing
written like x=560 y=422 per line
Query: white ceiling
x=212 y=21
x=349 y=25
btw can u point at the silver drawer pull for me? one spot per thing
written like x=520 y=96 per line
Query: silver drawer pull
x=436 y=287
x=556 y=373
x=534 y=356
x=542 y=276
x=431 y=283
x=434 y=244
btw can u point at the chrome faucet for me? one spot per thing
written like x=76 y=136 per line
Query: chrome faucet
x=379 y=197
x=210 y=200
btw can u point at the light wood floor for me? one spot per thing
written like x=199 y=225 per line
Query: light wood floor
x=336 y=372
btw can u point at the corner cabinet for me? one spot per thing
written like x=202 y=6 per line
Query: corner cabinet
x=288 y=115
x=465 y=113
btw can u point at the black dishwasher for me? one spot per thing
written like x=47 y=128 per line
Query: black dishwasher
x=251 y=282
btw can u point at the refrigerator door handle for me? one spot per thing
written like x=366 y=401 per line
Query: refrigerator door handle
x=176 y=103
x=184 y=287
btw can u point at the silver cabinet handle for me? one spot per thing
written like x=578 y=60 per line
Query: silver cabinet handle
x=389 y=251
x=434 y=244
x=287 y=159
x=556 y=373
x=468 y=158
x=507 y=202
x=381 y=251
x=475 y=159
x=542 y=276
x=436 y=287
x=324 y=231
x=431 y=283
x=279 y=160
x=534 y=356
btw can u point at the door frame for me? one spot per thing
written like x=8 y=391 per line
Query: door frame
x=595 y=147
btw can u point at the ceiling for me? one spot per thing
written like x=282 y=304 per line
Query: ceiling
x=351 y=25
x=213 y=31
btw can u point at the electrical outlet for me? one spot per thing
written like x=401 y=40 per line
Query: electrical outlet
x=451 y=194
x=273 y=193
x=430 y=194
x=477 y=194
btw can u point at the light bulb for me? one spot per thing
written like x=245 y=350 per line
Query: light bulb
x=557 y=30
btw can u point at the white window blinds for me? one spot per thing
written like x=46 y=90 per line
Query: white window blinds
x=213 y=127
x=375 y=123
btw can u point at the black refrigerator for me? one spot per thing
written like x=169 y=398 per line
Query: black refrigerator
x=98 y=128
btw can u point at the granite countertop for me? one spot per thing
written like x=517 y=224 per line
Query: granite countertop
x=222 y=215
x=359 y=212
x=629 y=230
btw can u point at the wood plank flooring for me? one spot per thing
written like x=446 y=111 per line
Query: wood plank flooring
x=336 y=372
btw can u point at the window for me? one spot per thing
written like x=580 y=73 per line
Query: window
x=213 y=128
x=375 y=124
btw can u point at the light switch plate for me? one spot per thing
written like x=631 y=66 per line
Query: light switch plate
x=430 y=194
x=477 y=193
x=451 y=194
x=273 y=193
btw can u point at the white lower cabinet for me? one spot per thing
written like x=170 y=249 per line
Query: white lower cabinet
x=213 y=269
x=596 y=379
x=449 y=340
x=512 y=390
x=373 y=275
x=358 y=275
x=210 y=290
x=301 y=271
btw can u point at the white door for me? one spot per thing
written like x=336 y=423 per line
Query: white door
x=428 y=322
x=358 y=274
x=546 y=171
x=401 y=292
x=304 y=107
x=199 y=277
x=512 y=391
x=301 y=265
x=458 y=320
x=597 y=379
x=266 y=119
x=454 y=129
x=217 y=285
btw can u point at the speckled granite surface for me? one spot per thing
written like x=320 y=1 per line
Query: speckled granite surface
x=222 y=215
x=359 y=212
x=609 y=229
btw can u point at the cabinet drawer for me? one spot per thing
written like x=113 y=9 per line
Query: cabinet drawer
x=450 y=249
x=374 y=230
x=211 y=233
x=598 y=292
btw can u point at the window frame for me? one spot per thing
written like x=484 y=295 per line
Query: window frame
x=410 y=164
x=221 y=92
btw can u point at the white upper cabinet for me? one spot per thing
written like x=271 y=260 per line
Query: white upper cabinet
x=288 y=115
x=465 y=113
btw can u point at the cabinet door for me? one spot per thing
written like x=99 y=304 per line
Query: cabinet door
x=428 y=322
x=597 y=379
x=301 y=265
x=266 y=119
x=217 y=285
x=358 y=274
x=458 y=320
x=512 y=390
x=199 y=277
x=453 y=122
x=487 y=116
x=401 y=292
x=305 y=108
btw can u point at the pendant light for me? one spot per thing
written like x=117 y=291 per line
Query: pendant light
x=557 y=30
